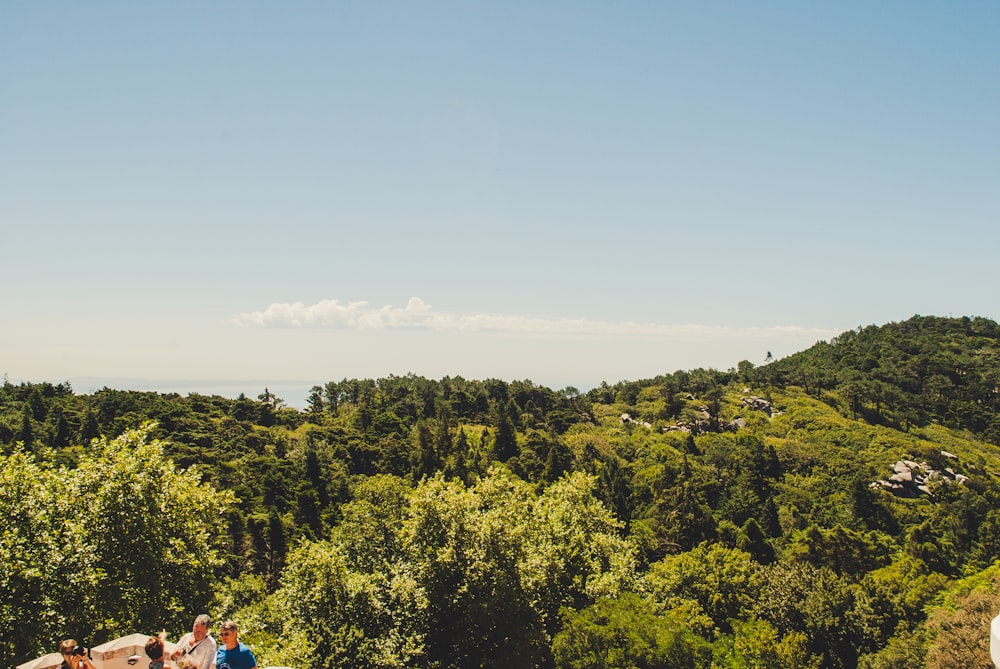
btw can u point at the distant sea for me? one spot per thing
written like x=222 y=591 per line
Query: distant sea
x=295 y=393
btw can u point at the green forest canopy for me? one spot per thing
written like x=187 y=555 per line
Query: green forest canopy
x=693 y=519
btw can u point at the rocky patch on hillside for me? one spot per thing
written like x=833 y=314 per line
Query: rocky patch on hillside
x=916 y=479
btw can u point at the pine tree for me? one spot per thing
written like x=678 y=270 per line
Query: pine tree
x=505 y=443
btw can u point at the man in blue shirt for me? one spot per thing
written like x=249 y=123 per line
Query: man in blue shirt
x=232 y=653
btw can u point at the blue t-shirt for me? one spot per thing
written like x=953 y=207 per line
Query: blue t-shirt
x=240 y=657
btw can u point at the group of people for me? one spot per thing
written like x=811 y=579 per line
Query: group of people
x=196 y=650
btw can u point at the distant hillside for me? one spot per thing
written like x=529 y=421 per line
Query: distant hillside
x=920 y=371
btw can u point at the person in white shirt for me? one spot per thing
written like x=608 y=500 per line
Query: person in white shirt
x=197 y=647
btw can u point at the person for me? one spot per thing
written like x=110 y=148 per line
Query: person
x=197 y=647
x=154 y=650
x=74 y=656
x=233 y=653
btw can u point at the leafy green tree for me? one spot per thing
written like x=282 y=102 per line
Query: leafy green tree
x=449 y=575
x=746 y=468
x=843 y=550
x=905 y=649
x=891 y=602
x=365 y=618
x=627 y=633
x=574 y=550
x=683 y=517
x=723 y=581
x=153 y=530
x=44 y=561
x=987 y=545
x=124 y=541
x=927 y=543
x=815 y=601
x=372 y=520
x=756 y=644
x=478 y=613
x=678 y=517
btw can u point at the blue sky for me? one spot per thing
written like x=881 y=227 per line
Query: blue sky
x=228 y=194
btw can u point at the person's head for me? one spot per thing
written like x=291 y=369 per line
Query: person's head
x=200 y=627
x=71 y=651
x=154 y=648
x=229 y=633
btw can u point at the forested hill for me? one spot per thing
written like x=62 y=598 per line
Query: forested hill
x=838 y=508
x=922 y=370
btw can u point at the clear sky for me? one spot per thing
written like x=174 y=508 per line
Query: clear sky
x=209 y=195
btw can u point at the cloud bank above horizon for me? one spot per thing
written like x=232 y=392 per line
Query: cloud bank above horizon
x=418 y=315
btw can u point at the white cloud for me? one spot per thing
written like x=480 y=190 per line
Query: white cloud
x=417 y=314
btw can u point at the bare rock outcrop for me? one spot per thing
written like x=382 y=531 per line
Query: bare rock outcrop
x=755 y=403
x=913 y=479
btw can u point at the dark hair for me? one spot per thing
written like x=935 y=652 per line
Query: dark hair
x=154 y=648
